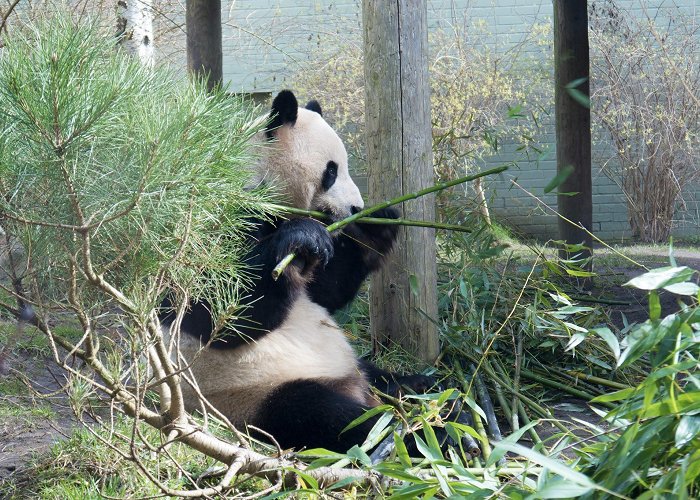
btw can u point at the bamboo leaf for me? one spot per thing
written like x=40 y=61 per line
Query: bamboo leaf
x=688 y=288
x=688 y=428
x=554 y=466
x=401 y=450
x=661 y=277
x=558 y=488
x=614 y=396
x=413 y=284
x=654 y=305
x=559 y=179
x=359 y=454
x=609 y=337
x=367 y=415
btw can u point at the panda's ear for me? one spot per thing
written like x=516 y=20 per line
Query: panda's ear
x=284 y=110
x=314 y=106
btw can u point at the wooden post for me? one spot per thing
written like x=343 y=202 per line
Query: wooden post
x=204 y=52
x=403 y=295
x=573 y=120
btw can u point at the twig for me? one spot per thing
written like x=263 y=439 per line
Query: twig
x=282 y=265
x=6 y=16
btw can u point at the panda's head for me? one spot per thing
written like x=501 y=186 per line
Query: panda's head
x=307 y=160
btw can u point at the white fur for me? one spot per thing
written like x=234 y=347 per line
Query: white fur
x=308 y=345
x=297 y=160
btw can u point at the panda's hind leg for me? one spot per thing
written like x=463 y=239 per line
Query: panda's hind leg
x=311 y=414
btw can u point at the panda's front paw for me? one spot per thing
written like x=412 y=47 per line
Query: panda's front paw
x=308 y=240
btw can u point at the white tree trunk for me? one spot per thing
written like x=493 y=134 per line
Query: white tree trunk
x=135 y=27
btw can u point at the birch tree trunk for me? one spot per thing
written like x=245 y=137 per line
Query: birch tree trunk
x=135 y=28
x=403 y=295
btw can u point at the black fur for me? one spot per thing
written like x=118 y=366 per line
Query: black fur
x=310 y=414
x=394 y=384
x=338 y=265
x=267 y=305
x=329 y=175
x=285 y=109
x=314 y=106
x=358 y=251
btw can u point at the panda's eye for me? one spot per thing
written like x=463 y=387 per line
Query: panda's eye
x=329 y=175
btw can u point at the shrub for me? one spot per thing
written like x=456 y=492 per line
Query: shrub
x=645 y=97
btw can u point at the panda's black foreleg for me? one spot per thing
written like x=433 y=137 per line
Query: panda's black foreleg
x=358 y=251
x=309 y=414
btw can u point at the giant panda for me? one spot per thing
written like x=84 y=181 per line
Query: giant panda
x=287 y=368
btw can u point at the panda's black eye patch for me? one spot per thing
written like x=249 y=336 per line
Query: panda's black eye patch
x=329 y=175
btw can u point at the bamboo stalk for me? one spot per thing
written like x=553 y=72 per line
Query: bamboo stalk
x=597 y=380
x=513 y=421
x=282 y=265
x=372 y=220
x=487 y=406
x=526 y=400
x=479 y=427
x=533 y=433
x=563 y=387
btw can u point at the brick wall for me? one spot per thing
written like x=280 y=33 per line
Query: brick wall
x=265 y=41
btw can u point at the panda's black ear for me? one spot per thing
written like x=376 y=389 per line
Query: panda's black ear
x=314 y=106
x=284 y=110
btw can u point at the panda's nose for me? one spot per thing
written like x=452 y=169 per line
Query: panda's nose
x=354 y=209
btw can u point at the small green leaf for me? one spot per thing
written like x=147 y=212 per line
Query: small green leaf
x=554 y=466
x=359 y=454
x=688 y=428
x=661 y=277
x=609 y=337
x=576 y=94
x=687 y=403
x=367 y=415
x=580 y=97
x=413 y=284
x=401 y=451
x=688 y=288
x=559 y=179
x=558 y=488
x=425 y=450
x=431 y=438
x=499 y=452
x=614 y=396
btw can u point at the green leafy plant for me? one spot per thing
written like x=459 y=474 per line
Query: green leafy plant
x=652 y=448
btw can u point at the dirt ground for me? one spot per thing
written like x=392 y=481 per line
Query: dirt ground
x=26 y=431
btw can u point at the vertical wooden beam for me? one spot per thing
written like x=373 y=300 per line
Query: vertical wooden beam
x=204 y=51
x=403 y=295
x=573 y=119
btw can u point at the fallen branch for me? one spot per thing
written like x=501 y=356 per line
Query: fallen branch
x=282 y=265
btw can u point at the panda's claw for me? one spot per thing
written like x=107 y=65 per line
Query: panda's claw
x=306 y=238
